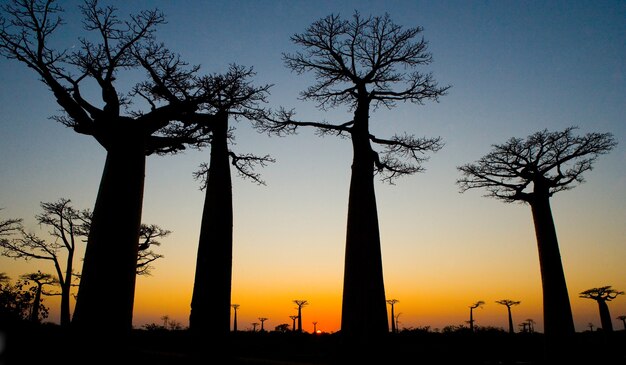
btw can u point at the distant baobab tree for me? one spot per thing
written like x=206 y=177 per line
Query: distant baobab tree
x=68 y=226
x=254 y=326
x=531 y=171
x=40 y=279
x=235 y=307
x=230 y=96
x=300 y=303
x=623 y=319
x=602 y=295
x=509 y=303
x=314 y=327
x=392 y=302
x=397 y=320
x=478 y=304
x=262 y=320
x=364 y=63
x=128 y=134
x=293 y=318
x=590 y=325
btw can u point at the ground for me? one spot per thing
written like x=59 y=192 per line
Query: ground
x=36 y=344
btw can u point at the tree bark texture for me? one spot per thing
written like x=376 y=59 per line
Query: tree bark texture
x=364 y=311
x=210 y=303
x=107 y=286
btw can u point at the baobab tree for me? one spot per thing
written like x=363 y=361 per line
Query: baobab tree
x=392 y=302
x=293 y=318
x=478 y=304
x=262 y=320
x=67 y=227
x=364 y=63
x=623 y=319
x=235 y=308
x=230 y=96
x=110 y=49
x=602 y=295
x=531 y=171
x=40 y=279
x=509 y=303
x=300 y=303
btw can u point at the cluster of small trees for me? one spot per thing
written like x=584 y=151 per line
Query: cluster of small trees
x=361 y=63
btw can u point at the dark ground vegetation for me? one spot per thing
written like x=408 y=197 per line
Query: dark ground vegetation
x=36 y=344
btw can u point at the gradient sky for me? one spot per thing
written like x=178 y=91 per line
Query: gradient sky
x=516 y=67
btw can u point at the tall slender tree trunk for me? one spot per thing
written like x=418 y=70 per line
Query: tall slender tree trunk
x=605 y=316
x=557 y=312
x=300 y=318
x=66 y=287
x=107 y=286
x=210 y=303
x=364 y=308
x=393 y=320
x=471 y=321
x=34 y=311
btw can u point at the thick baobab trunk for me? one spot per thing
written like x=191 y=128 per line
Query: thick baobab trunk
x=107 y=286
x=364 y=309
x=210 y=303
x=508 y=308
x=300 y=318
x=605 y=316
x=557 y=313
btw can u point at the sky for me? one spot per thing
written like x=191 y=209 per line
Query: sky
x=514 y=67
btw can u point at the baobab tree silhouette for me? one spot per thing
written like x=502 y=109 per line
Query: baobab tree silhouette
x=602 y=295
x=358 y=63
x=230 y=96
x=478 y=304
x=509 y=303
x=127 y=133
x=235 y=307
x=532 y=171
x=392 y=302
x=293 y=318
x=262 y=320
x=40 y=280
x=300 y=303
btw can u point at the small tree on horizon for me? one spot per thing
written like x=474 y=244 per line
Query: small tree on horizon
x=623 y=319
x=40 y=279
x=602 y=295
x=392 y=303
x=509 y=303
x=300 y=303
x=531 y=171
x=478 y=304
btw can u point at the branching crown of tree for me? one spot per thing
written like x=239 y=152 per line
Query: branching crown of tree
x=363 y=63
x=109 y=47
x=546 y=162
x=604 y=293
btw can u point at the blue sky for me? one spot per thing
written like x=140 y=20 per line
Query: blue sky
x=515 y=67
